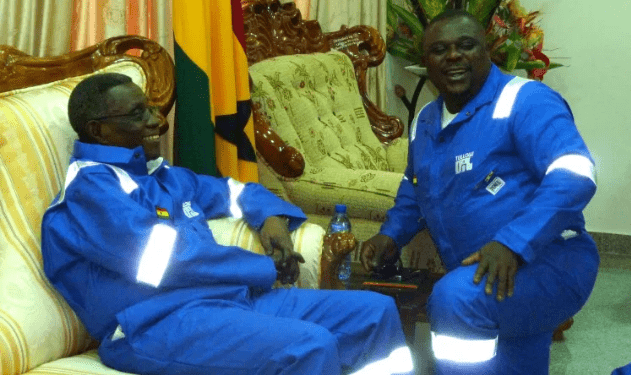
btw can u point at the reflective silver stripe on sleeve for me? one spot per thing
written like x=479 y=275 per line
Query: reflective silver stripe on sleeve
x=463 y=351
x=155 y=257
x=127 y=183
x=236 y=188
x=577 y=164
x=506 y=101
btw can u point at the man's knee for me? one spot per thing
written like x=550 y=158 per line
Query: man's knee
x=379 y=306
x=455 y=300
x=315 y=348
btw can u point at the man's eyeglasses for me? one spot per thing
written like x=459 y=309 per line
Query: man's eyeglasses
x=137 y=114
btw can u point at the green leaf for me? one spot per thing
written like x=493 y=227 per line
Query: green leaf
x=512 y=57
x=482 y=9
x=529 y=65
x=393 y=20
x=432 y=8
x=404 y=52
x=555 y=65
x=535 y=64
x=409 y=19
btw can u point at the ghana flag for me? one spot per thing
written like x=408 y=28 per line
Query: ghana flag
x=213 y=124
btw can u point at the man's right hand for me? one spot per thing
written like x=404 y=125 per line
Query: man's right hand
x=377 y=251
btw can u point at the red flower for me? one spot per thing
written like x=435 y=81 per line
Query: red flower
x=499 y=21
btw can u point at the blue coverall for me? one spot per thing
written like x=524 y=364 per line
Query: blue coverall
x=207 y=308
x=511 y=168
x=624 y=370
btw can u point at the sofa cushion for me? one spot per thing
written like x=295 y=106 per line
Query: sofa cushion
x=368 y=194
x=307 y=241
x=36 y=324
x=87 y=363
x=314 y=104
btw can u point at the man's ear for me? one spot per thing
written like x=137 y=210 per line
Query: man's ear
x=94 y=130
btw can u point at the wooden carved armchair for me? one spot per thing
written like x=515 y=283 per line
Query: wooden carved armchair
x=38 y=330
x=319 y=138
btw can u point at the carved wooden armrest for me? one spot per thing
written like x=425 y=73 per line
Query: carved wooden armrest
x=366 y=48
x=336 y=247
x=284 y=159
x=18 y=70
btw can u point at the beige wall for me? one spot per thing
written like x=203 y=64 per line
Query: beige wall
x=596 y=39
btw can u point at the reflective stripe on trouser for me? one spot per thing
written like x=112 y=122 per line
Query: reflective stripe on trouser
x=546 y=294
x=284 y=331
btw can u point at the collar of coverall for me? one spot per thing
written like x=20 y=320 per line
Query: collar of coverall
x=131 y=160
x=487 y=94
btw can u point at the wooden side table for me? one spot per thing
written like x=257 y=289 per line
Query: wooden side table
x=410 y=296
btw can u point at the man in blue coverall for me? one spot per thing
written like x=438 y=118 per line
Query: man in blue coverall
x=499 y=175
x=126 y=243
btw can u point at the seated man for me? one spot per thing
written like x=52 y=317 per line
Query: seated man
x=499 y=174
x=126 y=243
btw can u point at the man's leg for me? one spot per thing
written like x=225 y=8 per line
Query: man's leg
x=624 y=370
x=545 y=295
x=366 y=325
x=223 y=337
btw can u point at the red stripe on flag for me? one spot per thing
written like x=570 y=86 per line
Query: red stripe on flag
x=237 y=22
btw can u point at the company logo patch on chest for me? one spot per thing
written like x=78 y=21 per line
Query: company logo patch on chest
x=189 y=211
x=495 y=186
x=463 y=162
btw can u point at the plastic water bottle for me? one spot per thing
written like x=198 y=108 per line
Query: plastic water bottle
x=340 y=223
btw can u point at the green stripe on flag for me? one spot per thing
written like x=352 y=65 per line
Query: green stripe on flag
x=194 y=143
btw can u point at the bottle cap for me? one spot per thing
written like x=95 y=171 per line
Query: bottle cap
x=340 y=208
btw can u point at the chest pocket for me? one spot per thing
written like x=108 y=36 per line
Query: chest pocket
x=481 y=183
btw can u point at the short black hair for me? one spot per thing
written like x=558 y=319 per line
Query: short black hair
x=450 y=14
x=87 y=100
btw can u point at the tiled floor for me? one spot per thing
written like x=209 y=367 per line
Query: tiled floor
x=600 y=339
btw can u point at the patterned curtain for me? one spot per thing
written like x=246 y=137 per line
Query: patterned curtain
x=55 y=27
x=333 y=14
x=214 y=127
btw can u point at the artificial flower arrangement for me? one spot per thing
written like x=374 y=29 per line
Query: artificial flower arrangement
x=515 y=41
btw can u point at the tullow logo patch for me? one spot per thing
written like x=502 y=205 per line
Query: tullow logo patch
x=463 y=162
x=189 y=211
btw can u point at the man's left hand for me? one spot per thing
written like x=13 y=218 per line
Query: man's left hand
x=277 y=243
x=500 y=263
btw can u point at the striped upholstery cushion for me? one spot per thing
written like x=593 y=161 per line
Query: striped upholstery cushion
x=36 y=325
x=307 y=241
x=87 y=363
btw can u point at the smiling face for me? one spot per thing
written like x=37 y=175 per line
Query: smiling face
x=457 y=59
x=129 y=121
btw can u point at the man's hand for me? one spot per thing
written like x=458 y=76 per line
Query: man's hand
x=500 y=263
x=277 y=244
x=378 y=250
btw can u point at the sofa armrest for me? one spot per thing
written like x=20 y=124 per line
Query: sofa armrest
x=366 y=48
x=321 y=262
x=285 y=160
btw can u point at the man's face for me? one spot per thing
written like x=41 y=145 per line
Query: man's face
x=130 y=122
x=456 y=57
